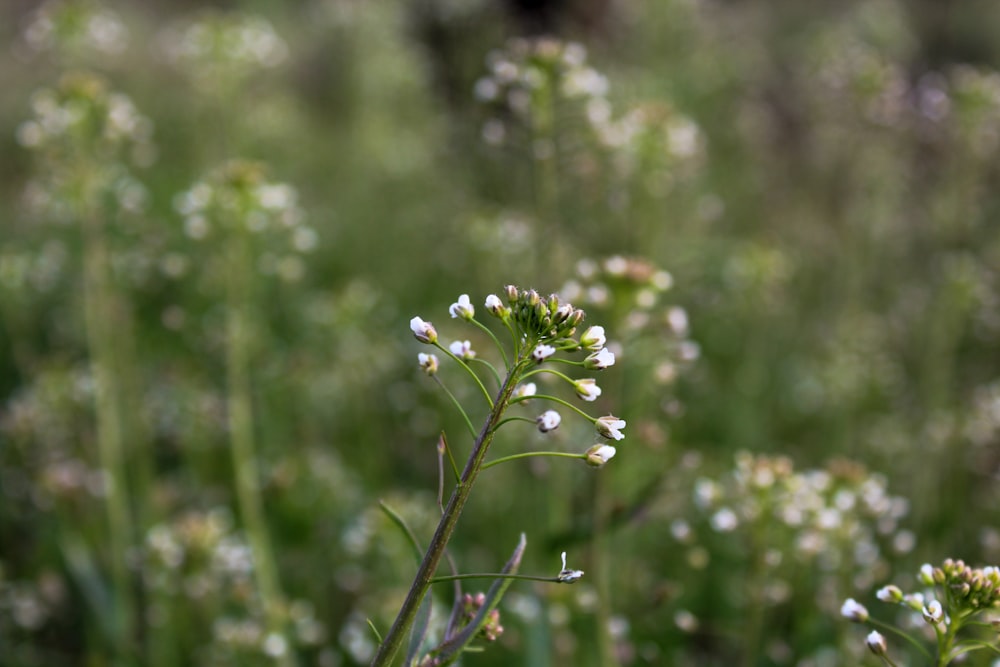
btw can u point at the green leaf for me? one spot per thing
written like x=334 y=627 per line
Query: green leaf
x=452 y=648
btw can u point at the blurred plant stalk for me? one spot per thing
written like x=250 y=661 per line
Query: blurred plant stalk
x=239 y=403
x=98 y=297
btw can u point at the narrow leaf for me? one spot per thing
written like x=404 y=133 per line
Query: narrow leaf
x=398 y=520
x=451 y=649
x=419 y=630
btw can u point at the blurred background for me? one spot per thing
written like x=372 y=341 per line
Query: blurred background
x=217 y=222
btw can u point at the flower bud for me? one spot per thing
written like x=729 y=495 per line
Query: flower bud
x=889 y=594
x=423 y=331
x=462 y=349
x=598 y=361
x=462 y=308
x=854 y=611
x=587 y=389
x=598 y=455
x=876 y=643
x=428 y=362
x=593 y=339
x=496 y=307
x=548 y=421
x=610 y=427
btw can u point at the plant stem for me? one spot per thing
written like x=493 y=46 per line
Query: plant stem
x=108 y=396
x=442 y=535
x=240 y=418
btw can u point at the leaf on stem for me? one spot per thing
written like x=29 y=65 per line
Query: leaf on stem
x=452 y=647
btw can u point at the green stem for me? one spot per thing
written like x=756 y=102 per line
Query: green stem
x=108 y=396
x=493 y=575
x=241 y=430
x=525 y=455
x=461 y=410
x=446 y=526
x=503 y=353
x=556 y=399
x=461 y=362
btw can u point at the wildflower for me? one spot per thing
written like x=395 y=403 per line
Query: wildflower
x=876 y=642
x=593 y=338
x=854 y=611
x=566 y=575
x=462 y=308
x=462 y=349
x=587 y=389
x=926 y=574
x=496 y=307
x=598 y=455
x=598 y=361
x=526 y=390
x=933 y=613
x=428 y=362
x=548 y=421
x=542 y=352
x=610 y=426
x=889 y=594
x=423 y=331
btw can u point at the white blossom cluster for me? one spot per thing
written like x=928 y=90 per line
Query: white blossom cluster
x=78 y=28
x=237 y=199
x=220 y=44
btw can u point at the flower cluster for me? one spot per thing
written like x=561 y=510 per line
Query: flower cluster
x=76 y=28
x=954 y=595
x=541 y=328
x=87 y=137
x=222 y=46
x=840 y=517
x=237 y=198
x=526 y=72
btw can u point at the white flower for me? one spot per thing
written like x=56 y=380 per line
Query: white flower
x=598 y=455
x=495 y=306
x=548 y=421
x=566 y=575
x=597 y=361
x=593 y=338
x=610 y=426
x=926 y=574
x=889 y=594
x=725 y=520
x=462 y=349
x=876 y=642
x=526 y=390
x=933 y=613
x=462 y=308
x=587 y=389
x=854 y=611
x=542 y=352
x=423 y=331
x=428 y=362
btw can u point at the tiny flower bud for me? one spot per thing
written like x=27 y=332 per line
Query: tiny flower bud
x=548 y=421
x=566 y=575
x=926 y=576
x=854 y=611
x=462 y=308
x=598 y=361
x=876 y=643
x=598 y=455
x=889 y=594
x=933 y=613
x=587 y=389
x=423 y=331
x=610 y=426
x=542 y=352
x=428 y=362
x=593 y=339
x=511 y=292
x=496 y=307
x=525 y=390
x=462 y=349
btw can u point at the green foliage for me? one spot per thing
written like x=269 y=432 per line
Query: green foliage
x=784 y=215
